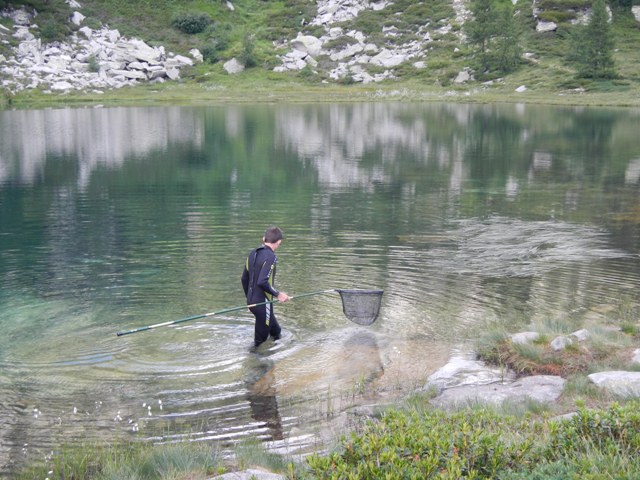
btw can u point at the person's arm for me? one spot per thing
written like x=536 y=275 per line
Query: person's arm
x=265 y=274
x=245 y=277
x=263 y=279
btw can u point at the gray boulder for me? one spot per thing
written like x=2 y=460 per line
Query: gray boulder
x=539 y=388
x=620 y=383
x=523 y=338
x=307 y=44
x=465 y=370
x=250 y=474
x=233 y=66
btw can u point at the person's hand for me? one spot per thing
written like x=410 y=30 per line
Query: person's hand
x=283 y=297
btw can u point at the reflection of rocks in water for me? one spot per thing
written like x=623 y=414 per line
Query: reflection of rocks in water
x=106 y=137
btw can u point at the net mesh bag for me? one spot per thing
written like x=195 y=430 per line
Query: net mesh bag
x=361 y=306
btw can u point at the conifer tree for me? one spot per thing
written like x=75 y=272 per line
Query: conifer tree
x=495 y=34
x=480 y=29
x=592 y=45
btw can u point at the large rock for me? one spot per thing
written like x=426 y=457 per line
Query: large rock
x=388 y=59
x=464 y=370
x=250 y=474
x=307 y=44
x=620 y=383
x=523 y=338
x=539 y=388
x=233 y=66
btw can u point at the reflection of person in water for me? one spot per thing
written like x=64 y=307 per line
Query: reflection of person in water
x=263 y=401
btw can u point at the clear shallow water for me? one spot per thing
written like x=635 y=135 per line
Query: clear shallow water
x=466 y=216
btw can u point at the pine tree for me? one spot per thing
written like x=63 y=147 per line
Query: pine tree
x=593 y=45
x=480 y=29
x=495 y=33
x=507 y=49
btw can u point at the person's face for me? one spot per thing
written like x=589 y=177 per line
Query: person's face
x=276 y=245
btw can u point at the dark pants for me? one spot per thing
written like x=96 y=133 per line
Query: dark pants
x=266 y=323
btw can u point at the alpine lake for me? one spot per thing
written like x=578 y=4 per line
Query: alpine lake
x=467 y=216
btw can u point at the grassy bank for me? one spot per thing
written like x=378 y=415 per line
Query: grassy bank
x=257 y=87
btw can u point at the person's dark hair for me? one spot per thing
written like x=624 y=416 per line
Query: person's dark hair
x=273 y=234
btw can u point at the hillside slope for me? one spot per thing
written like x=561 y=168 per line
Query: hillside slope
x=348 y=41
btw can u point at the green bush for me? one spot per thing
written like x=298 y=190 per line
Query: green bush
x=414 y=445
x=192 y=23
x=339 y=42
x=248 y=56
x=212 y=51
x=481 y=444
x=557 y=16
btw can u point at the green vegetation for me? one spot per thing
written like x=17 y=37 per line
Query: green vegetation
x=129 y=460
x=506 y=48
x=592 y=45
x=191 y=22
x=483 y=444
x=495 y=34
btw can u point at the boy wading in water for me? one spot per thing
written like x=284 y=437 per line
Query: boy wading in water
x=258 y=282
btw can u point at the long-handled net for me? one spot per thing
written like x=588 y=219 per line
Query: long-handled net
x=361 y=306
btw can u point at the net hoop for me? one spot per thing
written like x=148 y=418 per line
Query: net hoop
x=361 y=306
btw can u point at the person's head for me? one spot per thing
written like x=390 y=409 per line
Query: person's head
x=273 y=236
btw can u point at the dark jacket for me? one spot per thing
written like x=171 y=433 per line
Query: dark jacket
x=259 y=274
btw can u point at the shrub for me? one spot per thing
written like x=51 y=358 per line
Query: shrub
x=483 y=444
x=192 y=23
x=211 y=52
x=339 y=42
x=414 y=445
x=248 y=57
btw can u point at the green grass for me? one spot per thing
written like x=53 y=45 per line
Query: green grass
x=128 y=461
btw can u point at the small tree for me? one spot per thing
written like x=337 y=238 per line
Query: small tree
x=248 y=57
x=507 y=51
x=592 y=45
x=495 y=33
x=481 y=28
